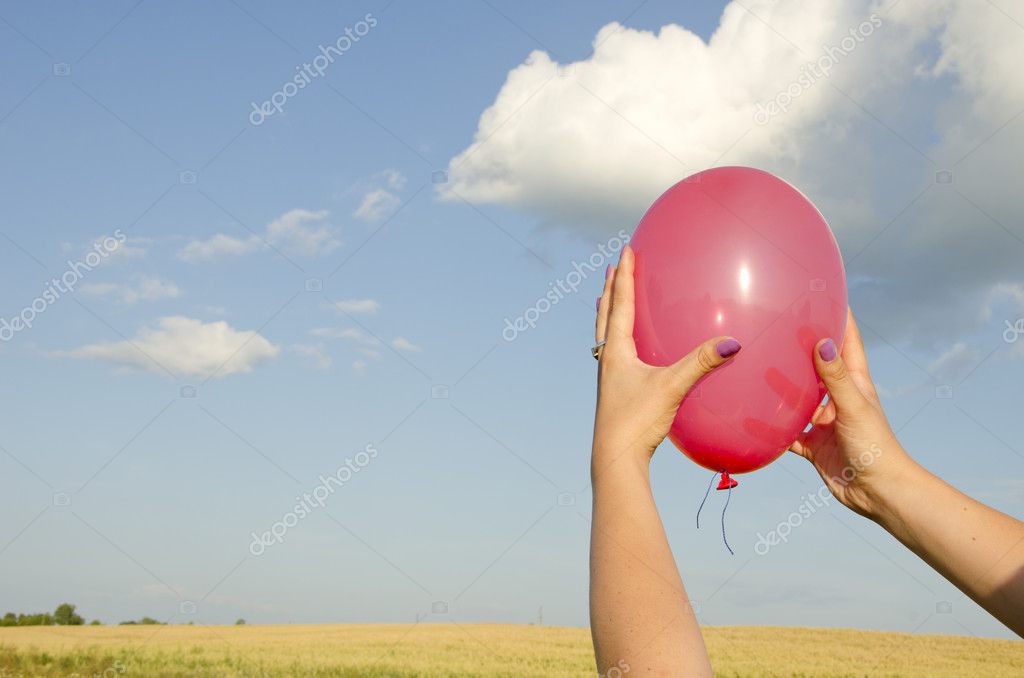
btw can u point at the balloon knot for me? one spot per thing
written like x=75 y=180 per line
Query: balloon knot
x=726 y=482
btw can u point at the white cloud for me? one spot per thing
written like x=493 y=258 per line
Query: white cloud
x=588 y=146
x=302 y=232
x=356 y=306
x=297 y=232
x=379 y=200
x=217 y=247
x=603 y=140
x=113 y=248
x=365 y=344
x=403 y=344
x=394 y=179
x=359 y=366
x=327 y=332
x=145 y=288
x=954 y=364
x=315 y=353
x=376 y=205
x=129 y=248
x=185 y=347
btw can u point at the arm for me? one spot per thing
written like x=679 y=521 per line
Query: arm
x=640 y=616
x=977 y=548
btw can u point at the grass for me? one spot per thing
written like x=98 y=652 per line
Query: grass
x=455 y=649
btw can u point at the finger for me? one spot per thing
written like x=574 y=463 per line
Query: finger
x=832 y=369
x=853 y=346
x=620 y=322
x=808 y=441
x=604 y=304
x=800 y=447
x=856 y=358
x=710 y=355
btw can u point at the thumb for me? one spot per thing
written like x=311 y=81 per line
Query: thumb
x=701 y=361
x=832 y=369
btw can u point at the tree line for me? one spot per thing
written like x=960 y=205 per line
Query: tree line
x=64 y=615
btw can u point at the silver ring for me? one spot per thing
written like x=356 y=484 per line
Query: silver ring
x=596 y=350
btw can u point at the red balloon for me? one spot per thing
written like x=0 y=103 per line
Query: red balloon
x=737 y=251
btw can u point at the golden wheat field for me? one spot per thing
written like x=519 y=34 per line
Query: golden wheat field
x=454 y=649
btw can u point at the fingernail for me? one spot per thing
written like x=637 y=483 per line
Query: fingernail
x=827 y=351
x=728 y=347
x=597 y=306
x=607 y=271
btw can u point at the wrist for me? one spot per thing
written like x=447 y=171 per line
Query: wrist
x=889 y=486
x=620 y=463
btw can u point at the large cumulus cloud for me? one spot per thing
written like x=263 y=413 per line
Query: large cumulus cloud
x=910 y=143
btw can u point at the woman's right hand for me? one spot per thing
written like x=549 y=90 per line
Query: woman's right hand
x=850 y=442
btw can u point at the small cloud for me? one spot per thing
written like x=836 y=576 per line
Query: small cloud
x=360 y=336
x=954 y=364
x=376 y=205
x=217 y=247
x=403 y=344
x=346 y=333
x=297 y=232
x=367 y=345
x=184 y=346
x=327 y=332
x=356 y=306
x=145 y=288
x=394 y=179
x=359 y=366
x=316 y=353
x=352 y=334
x=111 y=247
x=129 y=248
x=302 y=232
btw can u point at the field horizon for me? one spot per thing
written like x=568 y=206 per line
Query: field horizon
x=479 y=649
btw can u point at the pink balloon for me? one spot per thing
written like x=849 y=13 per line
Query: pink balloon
x=737 y=251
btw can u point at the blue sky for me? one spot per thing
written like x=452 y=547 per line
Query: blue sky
x=317 y=290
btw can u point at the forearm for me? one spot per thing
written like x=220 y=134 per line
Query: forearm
x=977 y=548
x=639 y=612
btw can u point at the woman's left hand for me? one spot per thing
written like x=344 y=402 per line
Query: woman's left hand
x=637 y=402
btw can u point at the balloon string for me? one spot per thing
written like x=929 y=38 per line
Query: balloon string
x=705 y=497
x=726 y=541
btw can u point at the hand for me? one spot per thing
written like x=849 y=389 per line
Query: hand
x=851 y=443
x=636 y=402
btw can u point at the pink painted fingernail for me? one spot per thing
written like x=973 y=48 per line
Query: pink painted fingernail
x=607 y=271
x=827 y=351
x=728 y=347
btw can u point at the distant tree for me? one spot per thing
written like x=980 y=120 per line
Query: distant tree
x=10 y=619
x=41 y=619
x=148 y=621
x=65 y=615
x=240 y=622
x=95 y=622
